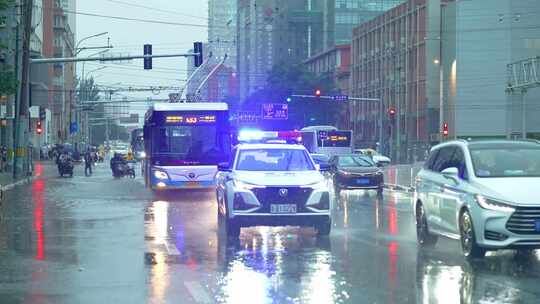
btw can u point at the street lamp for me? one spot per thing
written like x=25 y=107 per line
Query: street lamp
x=78 y=49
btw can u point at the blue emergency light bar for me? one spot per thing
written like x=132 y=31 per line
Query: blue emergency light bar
x=250 y=135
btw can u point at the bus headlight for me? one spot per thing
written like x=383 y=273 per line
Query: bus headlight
x=160 y=175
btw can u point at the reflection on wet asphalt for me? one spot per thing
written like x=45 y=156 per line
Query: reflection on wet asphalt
x=101 y=240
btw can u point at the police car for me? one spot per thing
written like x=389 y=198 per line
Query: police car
x=272 y=185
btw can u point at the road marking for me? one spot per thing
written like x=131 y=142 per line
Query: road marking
x=171 y=248
x=197 y=292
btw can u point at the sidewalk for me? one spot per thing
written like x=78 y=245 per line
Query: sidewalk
x=7 y=182
x=401 y=177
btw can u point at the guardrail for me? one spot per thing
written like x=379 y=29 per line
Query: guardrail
x=401 y=177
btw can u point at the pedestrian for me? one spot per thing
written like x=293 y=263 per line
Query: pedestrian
x=88 y=163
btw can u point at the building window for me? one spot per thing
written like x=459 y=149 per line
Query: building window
x=532 y=43
x=57 y=21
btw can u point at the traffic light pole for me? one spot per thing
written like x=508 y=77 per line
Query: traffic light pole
x=103 y=59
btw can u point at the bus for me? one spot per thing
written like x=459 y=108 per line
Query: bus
x=184 y=143
x=137 y=144
x=327 y=140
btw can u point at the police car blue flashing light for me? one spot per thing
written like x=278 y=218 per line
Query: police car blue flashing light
x=252 y=135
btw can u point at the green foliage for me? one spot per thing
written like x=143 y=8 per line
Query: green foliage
x=4 y=4
x=285 y=80
x=8 y=83
x=87 y=90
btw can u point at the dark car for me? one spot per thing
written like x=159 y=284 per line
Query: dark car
x=356 y=172
x=320 y=159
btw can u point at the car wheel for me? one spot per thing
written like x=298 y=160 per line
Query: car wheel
x=324 y=228
x=468 y=238
x=424 y=237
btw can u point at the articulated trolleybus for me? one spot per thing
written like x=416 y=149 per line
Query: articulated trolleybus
x=184 y=142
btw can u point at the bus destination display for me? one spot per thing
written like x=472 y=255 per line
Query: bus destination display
x=204 y=119
x=334 y=138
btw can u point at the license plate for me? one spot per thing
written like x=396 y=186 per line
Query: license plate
x=362 y=181
x=537 y=225
x=283 y=208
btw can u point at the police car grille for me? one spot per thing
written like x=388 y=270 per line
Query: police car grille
x=523 y=220
x=271 y=195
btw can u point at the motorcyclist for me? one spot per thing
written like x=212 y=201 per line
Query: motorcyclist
x=64 y=160
x=116 y=162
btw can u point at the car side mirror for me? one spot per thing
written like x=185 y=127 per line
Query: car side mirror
x=224 y=167
x=324 y=167
x=451 y=173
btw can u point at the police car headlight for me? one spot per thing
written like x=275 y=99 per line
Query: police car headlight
x=317 y=186
x=245 y=186
x=160 y=175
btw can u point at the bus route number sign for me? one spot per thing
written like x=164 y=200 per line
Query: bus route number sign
x=191 y=119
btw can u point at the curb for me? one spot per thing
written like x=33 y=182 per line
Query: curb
x=17 y=183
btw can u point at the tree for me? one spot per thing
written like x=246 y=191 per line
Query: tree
x=8 y=82
x=8 y=79
x=285 y=80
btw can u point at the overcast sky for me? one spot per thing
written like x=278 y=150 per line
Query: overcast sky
x=128 y=37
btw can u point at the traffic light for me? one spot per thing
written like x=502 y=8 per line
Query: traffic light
x=148 y=61
x=445 y=129
x=392 y=112
x=318 y=93
x=198 y=50
x=39 y=129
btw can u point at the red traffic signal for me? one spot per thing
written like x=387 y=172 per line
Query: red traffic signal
x=39 y=129
x=445 y=129
x=392 y=111
x=318 y=93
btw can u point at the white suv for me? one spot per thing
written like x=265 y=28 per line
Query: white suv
x=272 y=185
x=484 y=193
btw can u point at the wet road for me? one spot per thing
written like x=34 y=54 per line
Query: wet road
x=100 y=240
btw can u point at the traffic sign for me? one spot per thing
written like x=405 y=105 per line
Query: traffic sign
x=340 y=97
x=275 y=111
x=73 y=128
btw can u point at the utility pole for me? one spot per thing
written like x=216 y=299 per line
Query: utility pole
x=21 y=105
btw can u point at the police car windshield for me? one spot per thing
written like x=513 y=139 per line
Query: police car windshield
x=274 y=160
